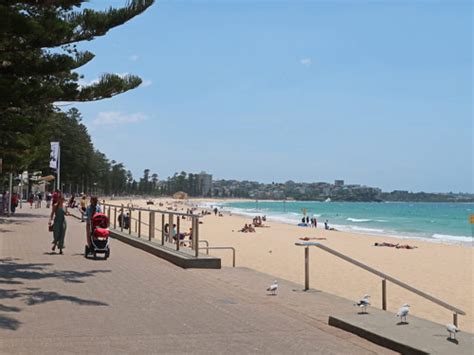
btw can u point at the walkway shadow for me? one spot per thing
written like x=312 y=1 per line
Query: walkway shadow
x=11 y=271
x=9 y=323
x=32 y=297
x=43 y=297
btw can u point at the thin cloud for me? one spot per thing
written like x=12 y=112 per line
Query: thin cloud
x=146 y=83
x=113 y=118
x=306 y=62
x=134 y=58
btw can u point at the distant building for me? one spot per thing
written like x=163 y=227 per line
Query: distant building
x=339 y=183
x=205 y=182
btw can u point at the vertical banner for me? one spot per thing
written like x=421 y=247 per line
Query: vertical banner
x=54 y=161
x=54 y=155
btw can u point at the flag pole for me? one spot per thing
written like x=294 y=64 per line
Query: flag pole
x=59 y=166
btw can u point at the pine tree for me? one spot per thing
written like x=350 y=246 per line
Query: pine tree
x=38 y=59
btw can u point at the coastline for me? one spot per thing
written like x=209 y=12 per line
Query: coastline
x=442 y=270
x=437 y=238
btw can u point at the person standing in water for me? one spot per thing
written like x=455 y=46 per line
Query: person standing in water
x=58 y=221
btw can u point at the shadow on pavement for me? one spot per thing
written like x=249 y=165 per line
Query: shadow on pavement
x=9 y=323
x=12 y=271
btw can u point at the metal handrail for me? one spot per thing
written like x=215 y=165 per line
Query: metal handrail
x=231 y=248
x=153 y=210
x=387 y=277
x=159 y=230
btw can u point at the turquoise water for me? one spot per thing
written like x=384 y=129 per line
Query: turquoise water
x=447 y=222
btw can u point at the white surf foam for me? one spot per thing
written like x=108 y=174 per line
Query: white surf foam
x=456 y=238
x=358 y=220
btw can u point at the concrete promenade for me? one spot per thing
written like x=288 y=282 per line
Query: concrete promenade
x=137 y=303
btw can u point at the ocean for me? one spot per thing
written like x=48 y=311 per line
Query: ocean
x=437 y=222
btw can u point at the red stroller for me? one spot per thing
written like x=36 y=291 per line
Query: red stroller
x=99 y=236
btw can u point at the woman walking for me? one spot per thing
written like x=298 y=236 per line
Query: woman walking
x=58 y=215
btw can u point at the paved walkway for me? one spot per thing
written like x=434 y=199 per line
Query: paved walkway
x=137 y=303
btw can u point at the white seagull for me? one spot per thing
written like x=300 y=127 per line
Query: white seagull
x=403 y=312
x=363 y=303
x=452 y=330
x=273 y=288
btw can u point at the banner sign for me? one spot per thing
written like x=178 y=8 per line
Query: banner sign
x=53 y=158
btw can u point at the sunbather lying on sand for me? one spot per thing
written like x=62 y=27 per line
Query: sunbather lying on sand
x=398 y=246
x=406 y=246
x=313 y=238
x=384 y=244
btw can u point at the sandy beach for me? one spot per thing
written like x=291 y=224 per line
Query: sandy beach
x=442 y=270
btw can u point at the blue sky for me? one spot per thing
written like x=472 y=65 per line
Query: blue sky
x=376 y=93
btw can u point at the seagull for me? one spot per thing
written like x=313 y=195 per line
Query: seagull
x=363 y=303
x=403 y=312
x=273 y=288
x=452 y=330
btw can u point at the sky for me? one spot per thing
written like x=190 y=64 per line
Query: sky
x=377 y=93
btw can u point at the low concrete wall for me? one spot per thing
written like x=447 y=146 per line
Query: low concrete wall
x=180 y=259
x=378 y=339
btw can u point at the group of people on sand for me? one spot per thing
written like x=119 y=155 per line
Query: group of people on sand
x=173 y=236
x=57 y=220
x=256 y=223
x=393 y=245
x=248 y=228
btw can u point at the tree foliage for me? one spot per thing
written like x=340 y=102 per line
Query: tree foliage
x=38 y=59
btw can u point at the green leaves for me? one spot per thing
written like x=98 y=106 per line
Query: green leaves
x=38 y=59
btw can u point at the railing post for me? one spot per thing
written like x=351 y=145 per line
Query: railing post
x=162 y=229
x=196 y=236
x=455 y=319
x=130 y=221
x=139 y=223
x=115 y=217
x=151 y=231
x=170 y=229
x=108 y=214
x=233 y=257
x=121 y=218
x=384 y=294
x=306 y=268
x=178 y=220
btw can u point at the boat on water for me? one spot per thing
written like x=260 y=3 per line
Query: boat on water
x=327 y=200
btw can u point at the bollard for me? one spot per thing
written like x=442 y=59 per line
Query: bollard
x=151 y=229
x=384 y=294
x=455 y=319
x=306 y=268
x=139 y=223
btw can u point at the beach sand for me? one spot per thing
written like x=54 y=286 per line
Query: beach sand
x=441 y=270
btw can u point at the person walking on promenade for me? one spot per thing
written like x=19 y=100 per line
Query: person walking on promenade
x=92 y=209
x=83 y=206
x=58 y=222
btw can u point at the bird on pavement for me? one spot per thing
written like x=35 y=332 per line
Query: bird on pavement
x=363 y=303
x=273 y=287
x=452 y=330
x=403 y=312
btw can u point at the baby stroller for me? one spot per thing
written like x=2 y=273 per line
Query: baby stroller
x=99 y=236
